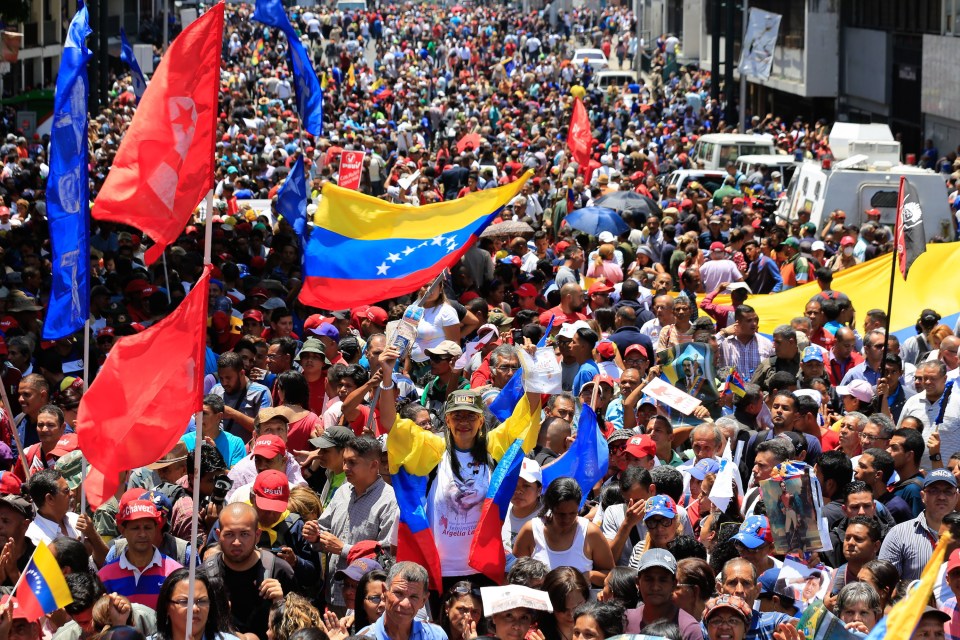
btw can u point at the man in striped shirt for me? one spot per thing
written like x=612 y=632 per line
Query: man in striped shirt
x=140 y=571
x=909 y=545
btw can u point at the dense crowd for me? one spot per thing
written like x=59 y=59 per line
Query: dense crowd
x=310 y=414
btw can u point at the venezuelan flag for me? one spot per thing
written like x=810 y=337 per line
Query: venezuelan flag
x=734 y=385
x=486 y=550
x=905 y=615
x=414 y=538
x=363 y=249
x=42 y=588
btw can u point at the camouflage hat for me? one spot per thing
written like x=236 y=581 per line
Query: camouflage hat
x=464 y=400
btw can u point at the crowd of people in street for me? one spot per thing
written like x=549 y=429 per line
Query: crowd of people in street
x=311 y=415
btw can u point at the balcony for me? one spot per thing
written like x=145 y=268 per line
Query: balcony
x=31 y=35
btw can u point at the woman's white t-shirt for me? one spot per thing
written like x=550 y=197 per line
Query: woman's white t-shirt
x=453 y=510
x=430 y=330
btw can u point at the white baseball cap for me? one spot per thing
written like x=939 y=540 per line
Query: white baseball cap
x=530 y=471
x=606 y=237
x=568 y=329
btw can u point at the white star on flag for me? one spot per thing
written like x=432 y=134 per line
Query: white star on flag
x=439 y=240
x=393 y=257
x=382 y=269
x=408 y=251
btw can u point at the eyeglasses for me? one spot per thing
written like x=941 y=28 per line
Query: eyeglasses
x=374 y=599
x=566 y=414
x=724 y=622
x=868 y=438
x=182 y=603
x=436 y=358
x=506 y=368
x=658 y=522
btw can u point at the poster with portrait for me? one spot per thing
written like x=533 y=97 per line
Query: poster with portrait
x=803 y=583
x=689 y=367
x=793 y=503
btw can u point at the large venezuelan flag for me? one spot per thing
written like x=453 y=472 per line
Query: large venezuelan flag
x=43 y=589
x=486 y=550
x=363 y=249
x=932 y=283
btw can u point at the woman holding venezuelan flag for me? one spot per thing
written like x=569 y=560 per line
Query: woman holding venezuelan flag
x=456 y=464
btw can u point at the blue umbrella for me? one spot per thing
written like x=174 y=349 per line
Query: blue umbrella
x=593 y=220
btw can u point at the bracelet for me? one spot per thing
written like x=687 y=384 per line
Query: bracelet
x=935 y=457
x=383 y=388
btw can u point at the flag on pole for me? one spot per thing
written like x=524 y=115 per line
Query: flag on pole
x=734 y=385
x=42 y=589
x=403 y=247
x=506 y=401
x=587 y=458
x=164 y=166
x=292 y=199
x=309 y=93
x=414 y=537
x=68 y=193
x=126 y=55
x=486 y=549
x=579 y=135
x=148 y=389
x=909 y=233
x=905 y=615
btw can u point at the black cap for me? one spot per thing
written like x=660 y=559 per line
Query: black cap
x=333 y=437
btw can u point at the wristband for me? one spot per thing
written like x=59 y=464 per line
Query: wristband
x=935 y=457
x=383 y=388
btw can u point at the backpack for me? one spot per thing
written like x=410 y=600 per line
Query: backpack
x=267 y=559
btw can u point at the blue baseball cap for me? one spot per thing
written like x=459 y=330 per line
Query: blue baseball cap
x=754 y=532
x=702 y=468
x=940 y=475
x=812 y=353
x=660 y=505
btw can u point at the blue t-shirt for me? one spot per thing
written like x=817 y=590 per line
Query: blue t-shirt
x=584 y=375
x=230 y=446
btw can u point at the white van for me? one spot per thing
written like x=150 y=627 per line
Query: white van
x=856 y=186
x=351 y=5
x=785 y=164
x=715 y=150
x=681 y=178
x=609 y=78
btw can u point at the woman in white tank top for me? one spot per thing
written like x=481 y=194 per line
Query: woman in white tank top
x=561 y=538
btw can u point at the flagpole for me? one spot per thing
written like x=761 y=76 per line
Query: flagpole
x=893 y=274
x=16 y=434
x=166 y=278
x=197 y=444
x=86 y=385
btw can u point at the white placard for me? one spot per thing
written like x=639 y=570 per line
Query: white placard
x=541 y=372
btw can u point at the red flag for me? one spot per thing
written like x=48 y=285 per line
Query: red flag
x=142 y=399
x=579 y=136
x=164 y=165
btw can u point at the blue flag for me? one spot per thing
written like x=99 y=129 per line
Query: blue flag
x=126 y=54
x=292 y=200
x=587 y=458
x=506 y=401
x=68 y=196
x=305 y=81
x=509 y=68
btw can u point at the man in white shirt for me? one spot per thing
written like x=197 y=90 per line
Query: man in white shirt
x=51 y=495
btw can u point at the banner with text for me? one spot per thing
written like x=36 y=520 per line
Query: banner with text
x=351 y=169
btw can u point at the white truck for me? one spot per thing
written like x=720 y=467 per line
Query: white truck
x=864 y=173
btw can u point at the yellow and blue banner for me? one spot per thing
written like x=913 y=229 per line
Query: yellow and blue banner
x=363 y=249
x=932 y=283
x=42 y=588
x=68 y=192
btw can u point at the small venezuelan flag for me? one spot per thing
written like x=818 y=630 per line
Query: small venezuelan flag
x=735 y=385
x=42 y=589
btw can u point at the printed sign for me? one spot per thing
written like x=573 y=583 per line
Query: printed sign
x=351 y=169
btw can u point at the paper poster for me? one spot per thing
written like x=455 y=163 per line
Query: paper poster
x=541 y=372
x=802 y=583
x=759 y=43
x=689 y=367
x=671 y=396
x=792 y=509
x=351 y=169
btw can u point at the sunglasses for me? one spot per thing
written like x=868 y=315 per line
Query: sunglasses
x=436 y=358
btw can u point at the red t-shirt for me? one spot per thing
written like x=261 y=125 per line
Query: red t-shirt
x=561 y=317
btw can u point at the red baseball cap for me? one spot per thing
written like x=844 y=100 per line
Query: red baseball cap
x=686 y=203
x=259 y=291
x=526 y=290
x=561 y=247
x=717 y=246
x=313 y=322
x=18 y=612
x=636 y=348
x=873 y=212
x=106 y=331
x=271 y=490
x=846 y=241
x=139 y=510
x=600 y=287
x=9 y=484
x=952 y=563
x=253 y=314
x=376 y=315
x=605 y=349
x=641 y=446
x=67 y=443
x=136 y=285
x=269 y=446
x=364 y=549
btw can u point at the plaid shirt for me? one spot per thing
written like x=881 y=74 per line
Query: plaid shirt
x=744 y=357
